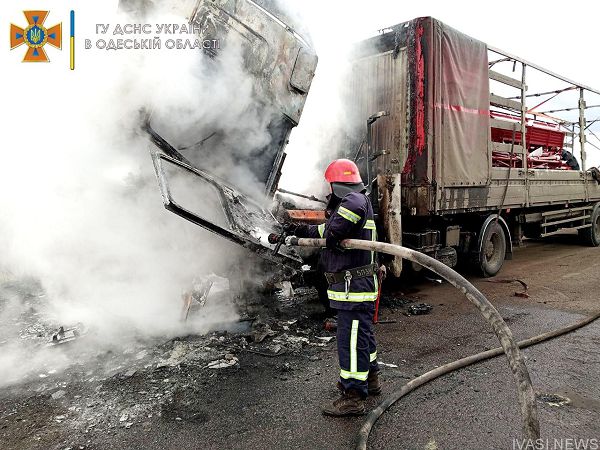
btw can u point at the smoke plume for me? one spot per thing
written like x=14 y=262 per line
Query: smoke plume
x=81 y=213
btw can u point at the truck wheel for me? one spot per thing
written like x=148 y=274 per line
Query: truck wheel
x=493 y=250
x=591 y=236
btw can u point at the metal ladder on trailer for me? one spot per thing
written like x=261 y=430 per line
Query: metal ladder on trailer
x=573 y=218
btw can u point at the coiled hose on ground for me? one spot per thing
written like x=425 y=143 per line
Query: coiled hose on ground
x=365 y=429
x=531 y=427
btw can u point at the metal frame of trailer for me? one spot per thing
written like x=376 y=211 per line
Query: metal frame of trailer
x=429 y=154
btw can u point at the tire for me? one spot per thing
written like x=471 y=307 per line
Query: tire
x=493 y=250
x=591 y=236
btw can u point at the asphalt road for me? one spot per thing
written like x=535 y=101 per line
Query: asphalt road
x=273 y=402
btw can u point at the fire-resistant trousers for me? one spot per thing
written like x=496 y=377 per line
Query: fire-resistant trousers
x=357 y=349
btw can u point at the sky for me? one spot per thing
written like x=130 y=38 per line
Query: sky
x=556 y=37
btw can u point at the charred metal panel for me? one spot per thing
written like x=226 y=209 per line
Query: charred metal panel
x=279 y=61
x=304 y=71
x=218 y=207
x=461 y=198
x=399 y=64
x=273 y=52
x=416 y=200
x=417 y=169
x=379 y=83
x=392 y=39
x=390 y=214
x=280 y=65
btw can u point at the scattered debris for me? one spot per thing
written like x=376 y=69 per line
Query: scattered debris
x=260 y=331
x=198 y=293
x=292 y=342
x=434 y=280
x=62 y=336
x=395 y=301
x=523 y=294
x=123 y=389
x=330 y=325
x=286 y=325
x=285 y=289
x=228 y=361
x=179 y=352
x=58 y=394
x=419 y=309
x=553 y=399
x=271 y=350
x=392 y=366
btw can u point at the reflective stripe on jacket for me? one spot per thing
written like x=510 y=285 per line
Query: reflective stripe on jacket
x=352 y=219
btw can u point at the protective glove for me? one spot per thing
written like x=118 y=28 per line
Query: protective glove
x=289 y=228
x=334 y=244
x=291 y=240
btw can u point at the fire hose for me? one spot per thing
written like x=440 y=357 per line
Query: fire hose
x=531 y=427
x=365 y=429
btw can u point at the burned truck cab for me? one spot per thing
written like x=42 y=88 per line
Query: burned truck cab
x=219 y=173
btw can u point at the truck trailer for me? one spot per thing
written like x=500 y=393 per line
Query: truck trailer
x=459 y=157
x=458 y=170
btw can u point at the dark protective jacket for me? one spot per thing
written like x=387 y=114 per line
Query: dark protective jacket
x=351 y=219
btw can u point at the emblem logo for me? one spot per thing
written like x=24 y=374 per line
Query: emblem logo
x=36 y=36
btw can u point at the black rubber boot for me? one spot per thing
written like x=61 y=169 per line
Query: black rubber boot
x=374 y=384
x=349 y=404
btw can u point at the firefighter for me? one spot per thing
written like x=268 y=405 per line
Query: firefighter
x=352 y=285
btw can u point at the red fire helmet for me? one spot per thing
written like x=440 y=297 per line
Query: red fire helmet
x=342 y=171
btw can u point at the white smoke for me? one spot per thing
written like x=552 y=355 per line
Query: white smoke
x=80 y=208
